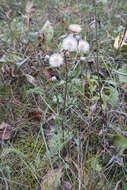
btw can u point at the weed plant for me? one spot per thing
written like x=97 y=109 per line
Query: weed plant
x=64 y=94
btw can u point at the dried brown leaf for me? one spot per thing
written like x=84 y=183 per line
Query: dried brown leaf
x=93 y=109
x=5 y=131
x=47 y=73
x=67 y=185
x=9 y=14
x=83 y=173
x=30 y=7
x=52 y=179
x=31 y=79
x=35 y=115
x=47 y=24
x=118 y=40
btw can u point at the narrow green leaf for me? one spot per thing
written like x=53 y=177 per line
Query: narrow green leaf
x=120 y=142
x=122 y=73
x=114 y=97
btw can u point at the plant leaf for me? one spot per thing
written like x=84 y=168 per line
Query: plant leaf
x=19 y=64
x=5 y=131
x=3 y=59
x=114 y=97
x=36 y=90
x=118 y=40
x=48 y=31
x=31 y=79
x=120 y=142
x=122 y=73
x=30 y=7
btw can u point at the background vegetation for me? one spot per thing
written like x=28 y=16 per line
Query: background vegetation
x=57 y=143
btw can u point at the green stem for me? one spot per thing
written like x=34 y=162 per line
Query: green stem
x=65 y=95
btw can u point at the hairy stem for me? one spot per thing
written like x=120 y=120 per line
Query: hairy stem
x=96 y=27
x=65 y=95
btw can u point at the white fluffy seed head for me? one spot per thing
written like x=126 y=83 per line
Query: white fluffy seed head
x=70 y=44
x=47 y=57
x=78 y=37
x=71 y=35
x=82 y=58
x=56 y=60
x=83 y=46
x=54 y=78
x=62 y=82
x=75 y=28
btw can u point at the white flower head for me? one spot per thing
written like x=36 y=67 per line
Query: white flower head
x=47 y=57
x=54 y=78
x=75 y=28
x=83 y=46
x=71 y=35
x=62 y=82
x=78 y=37
x=70 y=44
x=56 y=60
x=82 y=58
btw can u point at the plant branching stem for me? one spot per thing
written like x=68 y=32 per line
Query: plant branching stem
x=65 y=95
x=97 y=53
x=97 y=48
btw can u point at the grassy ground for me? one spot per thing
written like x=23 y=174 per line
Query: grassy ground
x=71 y=135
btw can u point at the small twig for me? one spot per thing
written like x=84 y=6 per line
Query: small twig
x=117 y=184
x=119 y=112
